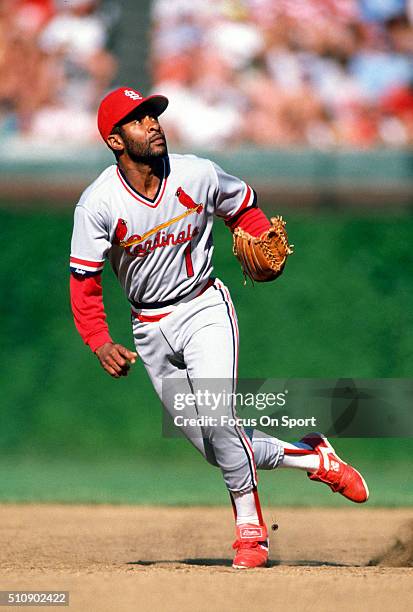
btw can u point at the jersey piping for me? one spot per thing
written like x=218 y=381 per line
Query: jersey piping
x=152 y=203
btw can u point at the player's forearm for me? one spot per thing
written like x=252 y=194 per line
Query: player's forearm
x=88 y=310
x=253 y=221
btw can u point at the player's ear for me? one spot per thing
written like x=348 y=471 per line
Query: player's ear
x=115 y=142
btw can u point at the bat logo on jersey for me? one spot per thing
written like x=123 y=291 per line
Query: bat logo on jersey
x=134 y=244
x=161 y=240
x=136 y=239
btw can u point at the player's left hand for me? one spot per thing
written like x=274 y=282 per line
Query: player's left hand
x=115 y=359
x=263 y=258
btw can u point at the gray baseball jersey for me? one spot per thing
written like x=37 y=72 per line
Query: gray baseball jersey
x=159 y=249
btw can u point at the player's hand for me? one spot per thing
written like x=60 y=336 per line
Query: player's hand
x=115 y=359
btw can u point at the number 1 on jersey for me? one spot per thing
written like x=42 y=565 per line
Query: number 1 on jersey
x=188 y=260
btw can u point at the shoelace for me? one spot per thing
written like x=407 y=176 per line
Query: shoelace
x=336 y=486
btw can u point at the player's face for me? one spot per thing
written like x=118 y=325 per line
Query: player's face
x=142 y=136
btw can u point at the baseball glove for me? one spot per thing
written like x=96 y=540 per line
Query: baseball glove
x=263 y=258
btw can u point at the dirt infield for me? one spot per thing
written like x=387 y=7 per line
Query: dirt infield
x=119 y=558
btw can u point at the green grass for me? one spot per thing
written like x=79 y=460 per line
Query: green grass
x=386 y=465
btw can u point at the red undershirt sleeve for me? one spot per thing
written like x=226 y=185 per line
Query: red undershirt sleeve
x=253 y=221
x=88 y=311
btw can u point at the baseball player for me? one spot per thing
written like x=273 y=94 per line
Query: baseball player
x=150 y=215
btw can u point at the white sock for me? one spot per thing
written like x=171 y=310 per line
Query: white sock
x=246 y=508
x=310 y=462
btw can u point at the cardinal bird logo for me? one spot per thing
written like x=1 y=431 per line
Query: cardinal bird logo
x=183 y=198
x=187 y=201
x=121 y=231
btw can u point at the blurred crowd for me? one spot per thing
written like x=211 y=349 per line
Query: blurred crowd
x=317 y=73
x=54 y=68
x=284 y=73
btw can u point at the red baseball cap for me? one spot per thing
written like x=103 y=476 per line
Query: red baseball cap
x=119 y=103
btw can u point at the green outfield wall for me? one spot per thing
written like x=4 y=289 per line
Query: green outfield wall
x=343 y=308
